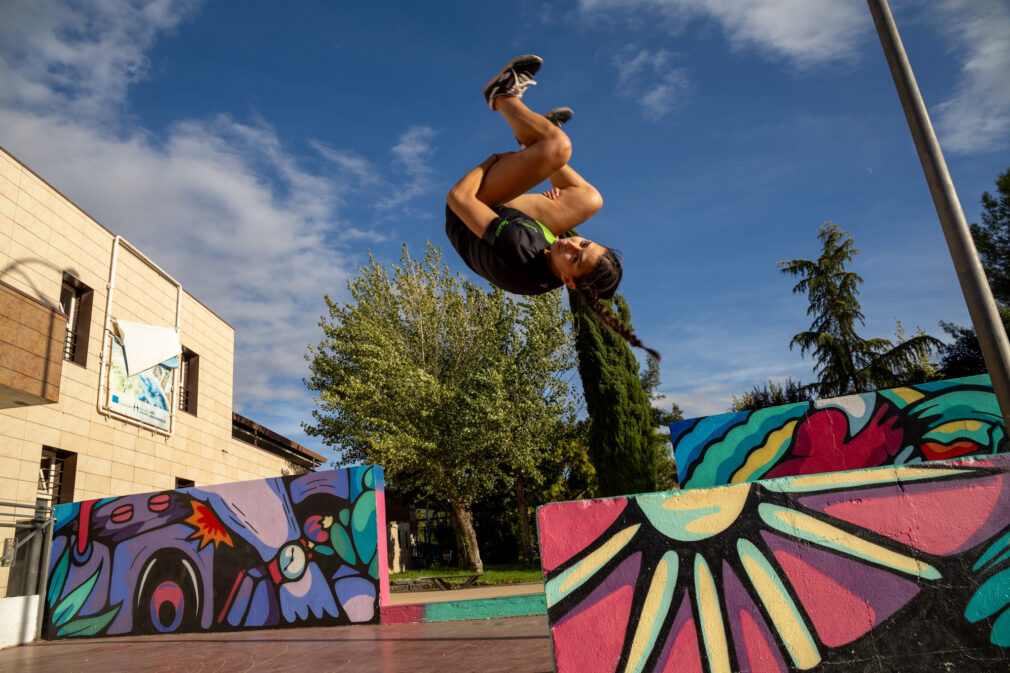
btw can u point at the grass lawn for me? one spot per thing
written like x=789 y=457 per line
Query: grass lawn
x=493 y=574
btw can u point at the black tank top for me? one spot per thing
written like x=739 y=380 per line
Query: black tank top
x=510 y=254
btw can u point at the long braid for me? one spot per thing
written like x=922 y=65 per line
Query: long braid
x=602 y=282
x=606 y=316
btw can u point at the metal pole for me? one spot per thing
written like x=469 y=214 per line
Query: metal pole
x=981 y=305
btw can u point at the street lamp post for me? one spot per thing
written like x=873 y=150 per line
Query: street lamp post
x=981 y=305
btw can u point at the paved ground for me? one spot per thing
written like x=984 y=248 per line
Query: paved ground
x=516 y=645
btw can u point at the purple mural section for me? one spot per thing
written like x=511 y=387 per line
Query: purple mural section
x=289 y=551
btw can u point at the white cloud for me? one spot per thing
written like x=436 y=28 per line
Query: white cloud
x=977 y=116
x=815 y=33
x=806 y=33
x=220 y=204
x=86 y=54
x=651 y=79
x=411 y=152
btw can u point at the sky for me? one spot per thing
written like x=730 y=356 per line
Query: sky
x=258 y=151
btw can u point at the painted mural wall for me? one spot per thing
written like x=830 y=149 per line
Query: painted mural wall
x=288 y=551
x=903 y=568
x=930 y=421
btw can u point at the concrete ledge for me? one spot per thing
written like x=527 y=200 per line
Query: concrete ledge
x=525 y=605
x=18 y=618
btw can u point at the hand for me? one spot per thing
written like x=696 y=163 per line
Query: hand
x=552 y=193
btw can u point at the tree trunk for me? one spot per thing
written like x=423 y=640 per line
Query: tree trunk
x=466 y=537
x=522 y=509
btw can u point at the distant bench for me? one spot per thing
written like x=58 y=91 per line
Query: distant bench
x=443 y=582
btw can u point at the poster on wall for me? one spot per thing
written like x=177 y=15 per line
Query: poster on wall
x=144 y=396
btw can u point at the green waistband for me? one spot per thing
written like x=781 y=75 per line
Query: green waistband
x=547 y=232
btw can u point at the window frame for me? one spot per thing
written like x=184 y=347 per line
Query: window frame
x=76 y=302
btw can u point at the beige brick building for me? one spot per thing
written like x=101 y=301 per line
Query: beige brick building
x=62 y=438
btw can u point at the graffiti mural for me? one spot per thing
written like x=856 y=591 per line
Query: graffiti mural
x=300 y=550
x=895 y=568
x=929 y=421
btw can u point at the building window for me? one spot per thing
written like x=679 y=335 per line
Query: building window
x=56 y=477
x=189 y=377
x=75 y=301
x=184 y=483
x=23 y=553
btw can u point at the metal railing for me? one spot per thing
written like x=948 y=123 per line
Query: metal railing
x=27 y=552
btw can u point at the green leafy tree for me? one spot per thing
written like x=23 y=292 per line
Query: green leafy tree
x=992 y=238
x=845 y=362
x=666 y=467
x=568 y=471
x=621 y=431
x=772 y=394
x=963 y=356
x=540 y=401
x=416 y=372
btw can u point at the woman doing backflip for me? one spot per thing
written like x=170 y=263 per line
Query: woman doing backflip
x=522 y=242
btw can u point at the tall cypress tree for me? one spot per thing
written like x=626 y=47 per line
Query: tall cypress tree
x=620 y=423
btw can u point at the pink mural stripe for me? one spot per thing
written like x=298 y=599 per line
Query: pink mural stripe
x=682 y=654
x=935 y=518
x=843 y=597
x=84 y=525
x=231 y=596
x=568 y=528
x=381 y=549
x=591 y=641
x=402 y=614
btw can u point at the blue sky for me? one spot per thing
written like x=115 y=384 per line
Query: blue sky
x=257 y=153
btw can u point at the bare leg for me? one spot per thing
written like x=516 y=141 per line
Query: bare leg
x=546 y=153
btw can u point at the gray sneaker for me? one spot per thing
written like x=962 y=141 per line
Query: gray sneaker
x=557 y=116
x=513 y=79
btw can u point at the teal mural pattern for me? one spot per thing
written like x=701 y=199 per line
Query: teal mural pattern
x=930 y=421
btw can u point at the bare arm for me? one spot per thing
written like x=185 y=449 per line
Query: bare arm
x=462 y=198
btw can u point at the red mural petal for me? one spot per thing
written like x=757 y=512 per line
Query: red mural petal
x=684 y=655
x=566 y=528
x=821 y=444
x=753 y=641
x=591 y=641
x=761 y=658
x=934 y=518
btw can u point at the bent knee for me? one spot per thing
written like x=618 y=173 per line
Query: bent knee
x=559 y=147
x=594 y=201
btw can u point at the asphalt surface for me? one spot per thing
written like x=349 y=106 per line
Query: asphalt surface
x=514 y=645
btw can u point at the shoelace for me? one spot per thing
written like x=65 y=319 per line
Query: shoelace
x=522 y=82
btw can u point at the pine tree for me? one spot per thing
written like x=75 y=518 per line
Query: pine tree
x=621 y=434
x=992 y=238
x=846 y=363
